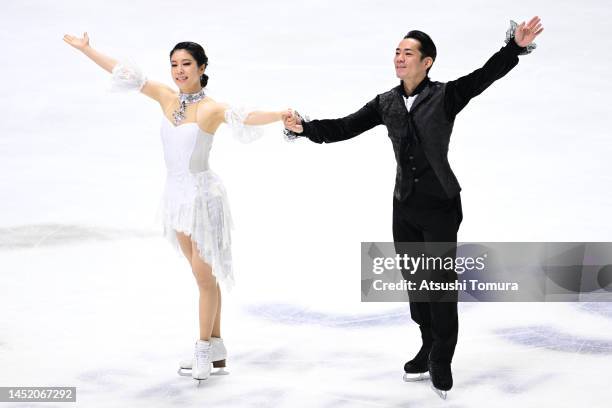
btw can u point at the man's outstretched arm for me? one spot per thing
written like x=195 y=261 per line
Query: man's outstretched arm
x=460 y=91
x=336 y=130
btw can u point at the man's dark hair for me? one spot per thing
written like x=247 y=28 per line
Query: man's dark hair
x=428 y=48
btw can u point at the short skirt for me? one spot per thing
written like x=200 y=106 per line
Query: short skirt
x=196 y=204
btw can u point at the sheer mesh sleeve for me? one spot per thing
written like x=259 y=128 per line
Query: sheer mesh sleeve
x=127 y=76
x=235 y=117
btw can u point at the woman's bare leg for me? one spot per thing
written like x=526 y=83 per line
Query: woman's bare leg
x=209 y=295
x=187 y=249
x=185 y=244
x=216 y=332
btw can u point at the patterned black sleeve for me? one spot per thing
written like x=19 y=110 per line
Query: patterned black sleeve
x=336 y=130
x=460 y=91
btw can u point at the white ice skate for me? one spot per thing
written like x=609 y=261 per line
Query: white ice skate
x=201 y=361
x=218 y=355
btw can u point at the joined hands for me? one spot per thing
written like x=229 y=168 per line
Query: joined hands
x=292 y=121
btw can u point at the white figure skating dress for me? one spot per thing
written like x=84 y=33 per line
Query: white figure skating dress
x=194 y=201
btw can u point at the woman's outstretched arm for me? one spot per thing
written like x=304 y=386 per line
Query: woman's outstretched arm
x=245 y=124
x=155 y=90
x=263 y=118
x=250 y=118
x=82 y=44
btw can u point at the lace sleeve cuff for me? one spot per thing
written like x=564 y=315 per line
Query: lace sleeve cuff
x=510 y=36
x=126 y=77
x=235 y=117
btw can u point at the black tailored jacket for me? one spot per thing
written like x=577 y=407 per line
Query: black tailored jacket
x=433 y=114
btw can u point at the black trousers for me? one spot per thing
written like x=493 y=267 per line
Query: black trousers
x=431 y=220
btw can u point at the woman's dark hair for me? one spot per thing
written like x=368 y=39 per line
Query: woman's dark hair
x=428 y=48
x=197 y=52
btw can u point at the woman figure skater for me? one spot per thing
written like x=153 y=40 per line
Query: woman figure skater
x=194 y=207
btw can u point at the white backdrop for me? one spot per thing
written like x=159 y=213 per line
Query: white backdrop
x=81 y=173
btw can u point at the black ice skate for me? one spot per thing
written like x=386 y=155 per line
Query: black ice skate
x=441 y=378
x=417 y=369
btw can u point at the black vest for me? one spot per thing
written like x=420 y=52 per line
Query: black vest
x=423 y=134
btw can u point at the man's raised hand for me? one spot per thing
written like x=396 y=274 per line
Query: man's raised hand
x=526 y=33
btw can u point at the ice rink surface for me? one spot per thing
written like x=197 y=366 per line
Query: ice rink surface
x=93 y=297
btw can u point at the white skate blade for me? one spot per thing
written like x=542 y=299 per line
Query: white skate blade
x=188 y=364
x=409 y=377
x=220 y=371
x=441 y=394
x=184 y=372
x=200 y=379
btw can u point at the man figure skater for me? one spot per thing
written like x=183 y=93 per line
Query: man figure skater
x=419 y=116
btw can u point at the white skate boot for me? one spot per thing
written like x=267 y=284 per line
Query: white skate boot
x=218 y=355
x=201 y=361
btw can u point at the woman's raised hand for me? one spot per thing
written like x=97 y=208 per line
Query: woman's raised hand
x=82 y=44
x=76 y=42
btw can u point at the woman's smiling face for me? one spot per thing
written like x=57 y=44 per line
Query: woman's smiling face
x=185 y=71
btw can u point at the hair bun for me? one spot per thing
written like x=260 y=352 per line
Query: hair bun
x=203 y=80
